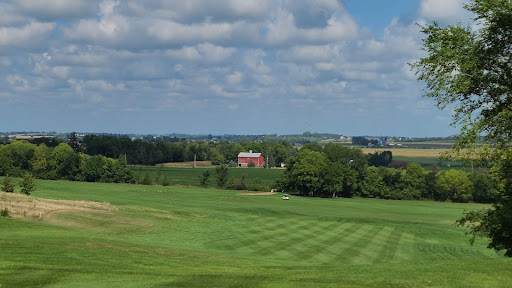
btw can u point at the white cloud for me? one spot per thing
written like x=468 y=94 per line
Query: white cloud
x=235 y=78
x=54 y=9
x=204 y=52
x=18 y=83
x=164 y=55
x=447 y=11
x=175 y=33
x=309 y=53
x=61 y=71
x=111 y=29
x=284 y=30
x=201 y=10
x=28 y=37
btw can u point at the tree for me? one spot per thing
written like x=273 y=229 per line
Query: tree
x=469 y=71
x=308 y=172
x=429 y=190
x=204 y=177
x=73 y=142
x=40 y=161
x=147 y=179
x=378 y=159
x=413 y=181
x=28 y=185
x=8 y=184
x=373 y=184
x=65 y=162
x=222 y=174
x=338 y=180
x=453 y=185
x=485 y=188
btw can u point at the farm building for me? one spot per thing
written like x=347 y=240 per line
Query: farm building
x=245 y=158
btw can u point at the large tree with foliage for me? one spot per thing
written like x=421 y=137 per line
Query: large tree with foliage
x=469 y=71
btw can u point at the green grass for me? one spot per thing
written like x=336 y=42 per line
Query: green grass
x=190 y=237
x=427 y=162
x=190 y=176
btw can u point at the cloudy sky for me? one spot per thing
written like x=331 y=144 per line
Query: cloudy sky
x=218 y=66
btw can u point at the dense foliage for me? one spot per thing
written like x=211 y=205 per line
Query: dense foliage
x=469 y=71
x=61 y=162
x=338 y=171
x=143 y=152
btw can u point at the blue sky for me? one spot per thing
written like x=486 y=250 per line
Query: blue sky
x=218 y=66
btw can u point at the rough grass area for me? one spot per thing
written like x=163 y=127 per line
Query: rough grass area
x=187 y=237
x=28 y=207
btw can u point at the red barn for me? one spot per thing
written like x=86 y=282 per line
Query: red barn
x=245 y=158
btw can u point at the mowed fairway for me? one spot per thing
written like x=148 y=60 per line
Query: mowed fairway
x=185 y=237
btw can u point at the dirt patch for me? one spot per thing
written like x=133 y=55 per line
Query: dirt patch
x=21 y=206
x=258 y=193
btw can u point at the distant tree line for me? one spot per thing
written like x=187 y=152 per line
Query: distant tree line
x=363 y=141
x=338 y=171
x=61 y=162
x=143 y=152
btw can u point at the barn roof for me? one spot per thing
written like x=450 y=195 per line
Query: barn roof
x=249 y=155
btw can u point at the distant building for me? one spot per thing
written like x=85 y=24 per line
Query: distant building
x=245 y=158
x=383 y=141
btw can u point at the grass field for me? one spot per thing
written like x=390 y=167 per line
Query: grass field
x=425 y=157
x=187 y=237
x=190 y=176
x=408 y=152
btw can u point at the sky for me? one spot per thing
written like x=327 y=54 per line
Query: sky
x=219 y=66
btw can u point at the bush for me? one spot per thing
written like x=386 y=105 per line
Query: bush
x=204 y=177
x=147 y=179
x=8 y=184
x=4 y=212
x=166 y=181
x=240 y=184
x=28 y=184
x=398 y=165
x=222 y=175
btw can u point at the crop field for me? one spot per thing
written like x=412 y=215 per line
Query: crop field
x=190 y=176
x=188 y=237
x=409 y=152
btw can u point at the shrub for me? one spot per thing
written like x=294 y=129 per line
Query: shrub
x=222 y=175
x=147 y=179
x=204 y=177
x=240 y=184
x=28 y=184
x=166 y=181
x=8 y=184
x=4 y=212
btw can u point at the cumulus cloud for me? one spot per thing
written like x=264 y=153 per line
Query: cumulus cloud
x=200 y=54
x=27 y=37
x=446 y=11
x=284 y=30
x=57 y=9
